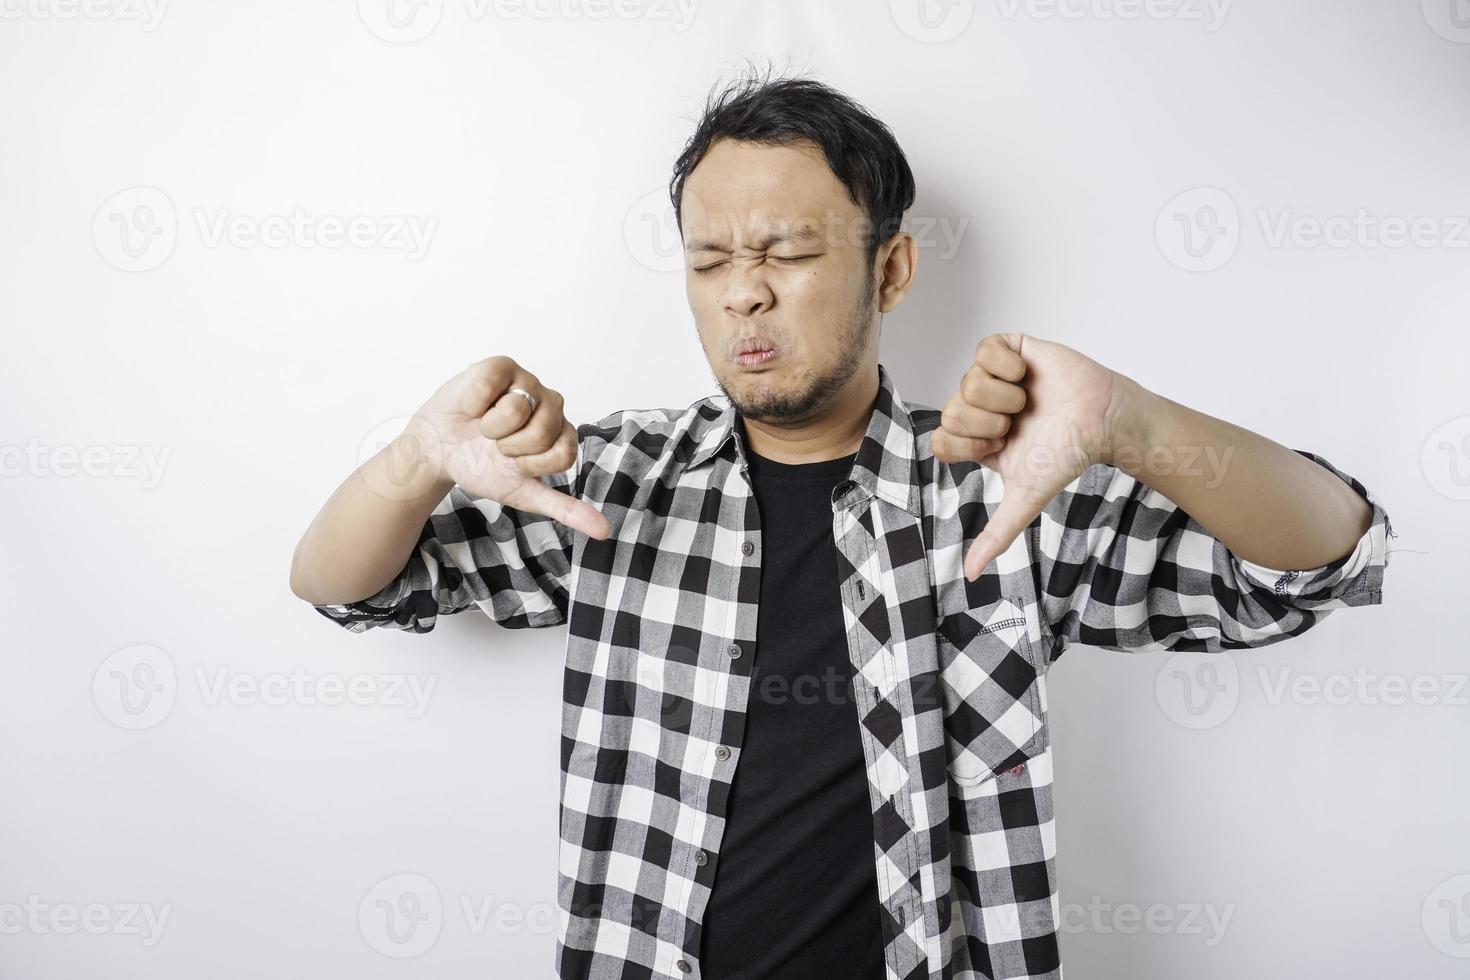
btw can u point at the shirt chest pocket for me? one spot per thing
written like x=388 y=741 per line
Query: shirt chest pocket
x=989 y=667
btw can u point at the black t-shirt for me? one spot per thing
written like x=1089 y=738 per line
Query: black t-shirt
x=795 y=893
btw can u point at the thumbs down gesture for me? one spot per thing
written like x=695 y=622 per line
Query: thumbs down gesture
x=1039 y=414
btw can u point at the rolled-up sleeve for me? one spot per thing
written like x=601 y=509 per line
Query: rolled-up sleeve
x=1122 y=567
x=513 y=565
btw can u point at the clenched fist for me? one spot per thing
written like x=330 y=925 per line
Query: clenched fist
x=1039 y=414
x=486 y=438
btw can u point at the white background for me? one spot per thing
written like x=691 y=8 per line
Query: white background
x=535 y=141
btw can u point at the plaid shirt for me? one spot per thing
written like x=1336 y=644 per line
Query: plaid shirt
x=950 y=675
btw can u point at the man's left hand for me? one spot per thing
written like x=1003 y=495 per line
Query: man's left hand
x=1039 y=414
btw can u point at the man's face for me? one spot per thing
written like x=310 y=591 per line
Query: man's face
x=774 y=253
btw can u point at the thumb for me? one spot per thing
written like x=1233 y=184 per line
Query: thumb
x=1012 y=517
x=536 y=497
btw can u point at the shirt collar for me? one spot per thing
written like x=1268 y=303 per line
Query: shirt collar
x=886 y=465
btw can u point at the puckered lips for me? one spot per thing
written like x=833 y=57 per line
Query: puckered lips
x=754 y=352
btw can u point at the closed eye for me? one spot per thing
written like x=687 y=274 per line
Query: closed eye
x=778 y=258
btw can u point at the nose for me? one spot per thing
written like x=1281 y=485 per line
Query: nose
x=746 y=291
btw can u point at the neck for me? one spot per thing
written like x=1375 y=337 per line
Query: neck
x=834 y=432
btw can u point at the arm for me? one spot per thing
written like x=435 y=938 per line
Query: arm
x=472 y=551
x=1122 y=567
x=361 y=539
x=474 y=503
x=1267 y=503
x=1138 y=506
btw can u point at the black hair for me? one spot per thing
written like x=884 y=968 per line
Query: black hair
x=859 y=148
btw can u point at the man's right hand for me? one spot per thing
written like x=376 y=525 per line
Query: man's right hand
x=478 y=433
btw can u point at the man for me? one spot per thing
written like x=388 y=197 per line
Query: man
x=804 y=730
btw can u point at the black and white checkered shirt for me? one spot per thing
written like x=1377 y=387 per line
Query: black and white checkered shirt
x=949 y=675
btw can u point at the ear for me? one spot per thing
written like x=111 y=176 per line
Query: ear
x=897 y=262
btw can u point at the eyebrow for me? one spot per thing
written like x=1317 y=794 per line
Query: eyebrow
x=800 y=235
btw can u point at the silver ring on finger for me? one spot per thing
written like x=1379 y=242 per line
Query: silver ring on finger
x=527 y=396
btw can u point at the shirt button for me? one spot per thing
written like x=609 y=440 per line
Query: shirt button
x=722 y=753
x=683 y=966
x=734 y=651
x=701 y=858
x=746 y=547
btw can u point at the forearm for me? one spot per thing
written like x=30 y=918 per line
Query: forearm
x=1268 y=504
x=364 y=534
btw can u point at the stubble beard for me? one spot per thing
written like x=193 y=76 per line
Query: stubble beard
x=815 y=390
